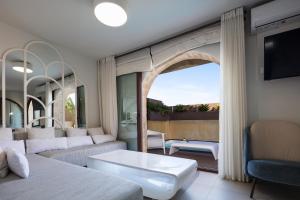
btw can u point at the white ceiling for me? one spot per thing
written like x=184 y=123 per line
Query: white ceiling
x=72 y=24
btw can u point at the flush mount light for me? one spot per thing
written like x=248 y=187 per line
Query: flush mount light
x=111 y=12
x=19 y=67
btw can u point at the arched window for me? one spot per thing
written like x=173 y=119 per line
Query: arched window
x=14 y=114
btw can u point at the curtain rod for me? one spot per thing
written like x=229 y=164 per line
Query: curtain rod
x=164 y=40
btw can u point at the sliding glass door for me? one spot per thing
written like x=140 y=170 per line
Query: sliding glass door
x=128 y=109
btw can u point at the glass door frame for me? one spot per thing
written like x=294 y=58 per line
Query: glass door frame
x=139 y=80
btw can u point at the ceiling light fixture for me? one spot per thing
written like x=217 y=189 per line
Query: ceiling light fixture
x=19 y=67
x=111 y=12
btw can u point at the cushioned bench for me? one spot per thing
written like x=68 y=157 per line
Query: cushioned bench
x=272 y=152
x=51 y=179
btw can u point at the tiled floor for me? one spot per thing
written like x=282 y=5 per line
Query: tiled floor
x=208 y=186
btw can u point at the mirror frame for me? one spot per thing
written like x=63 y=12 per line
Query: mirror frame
x=26 y=52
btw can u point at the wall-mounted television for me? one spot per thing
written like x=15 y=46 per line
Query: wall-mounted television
x=282 y=55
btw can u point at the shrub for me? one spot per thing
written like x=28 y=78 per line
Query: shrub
x=203 y=108
x=215 y=108
x=155 y=107
x=179 y=108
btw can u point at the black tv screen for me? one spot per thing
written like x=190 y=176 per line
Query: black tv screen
x=282 y=55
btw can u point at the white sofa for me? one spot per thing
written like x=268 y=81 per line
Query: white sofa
x=75 y=155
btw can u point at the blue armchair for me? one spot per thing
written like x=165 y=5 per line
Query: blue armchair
x=272 y=152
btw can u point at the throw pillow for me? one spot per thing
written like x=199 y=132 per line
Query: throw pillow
x=41 y=133
x=74 y=132
x=79 y=141
x=6 y=134
x=95 y=131
x=17 y=163
x=3 y=164
x=40 y=145
x=99 y=139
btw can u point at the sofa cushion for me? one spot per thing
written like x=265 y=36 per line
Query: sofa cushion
x=59 y=132
x=275 y=140
x=21 y=134
x=95 y=131
x=78 y=155
x=6 y=134
x=99 y=139
x=286 y=172
x=79 y=141
x=39 y=145
x=17 y=145
x=74 y=132
x=50 y=179
x=41 y=133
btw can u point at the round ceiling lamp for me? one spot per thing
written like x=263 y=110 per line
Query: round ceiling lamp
x=19 y=67
x=111 y=12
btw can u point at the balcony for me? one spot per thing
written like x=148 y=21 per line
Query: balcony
x=185 y=124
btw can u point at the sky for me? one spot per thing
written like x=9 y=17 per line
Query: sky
x=195 y=85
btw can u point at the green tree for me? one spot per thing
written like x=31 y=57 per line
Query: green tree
x=70 y=106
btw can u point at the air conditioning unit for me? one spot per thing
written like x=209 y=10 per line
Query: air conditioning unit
x=274 y=13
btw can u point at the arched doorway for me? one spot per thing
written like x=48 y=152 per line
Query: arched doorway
x=192 y=57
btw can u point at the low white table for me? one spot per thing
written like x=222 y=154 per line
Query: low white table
x=159 y=176
x=210 y=146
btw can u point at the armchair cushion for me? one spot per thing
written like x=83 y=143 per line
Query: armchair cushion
x=285 y=172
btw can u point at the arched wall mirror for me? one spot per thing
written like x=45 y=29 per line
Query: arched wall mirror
x=45 y=88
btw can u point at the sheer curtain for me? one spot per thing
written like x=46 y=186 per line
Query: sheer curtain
x=233 y=95
x=107 y=89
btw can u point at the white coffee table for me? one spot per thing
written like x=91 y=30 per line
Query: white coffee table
x=159 y=176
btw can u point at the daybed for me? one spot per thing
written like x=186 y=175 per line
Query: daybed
x=51 y=179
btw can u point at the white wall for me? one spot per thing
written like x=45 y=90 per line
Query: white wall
x=276 y=99
x=86 y=68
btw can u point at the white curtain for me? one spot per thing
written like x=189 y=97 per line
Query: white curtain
x=107 y=89
x=233 y=101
